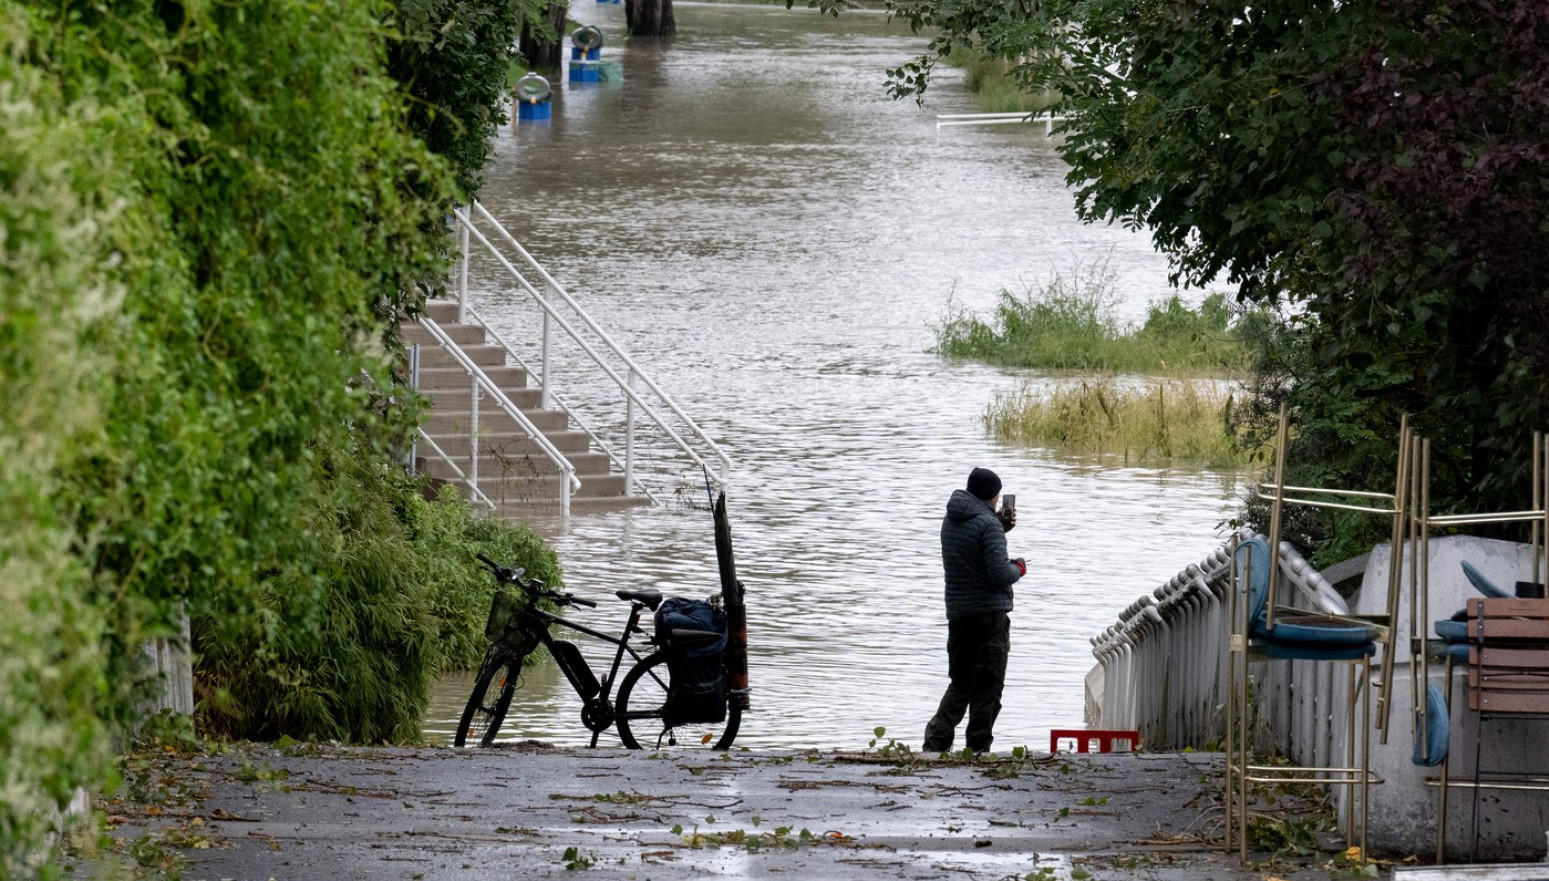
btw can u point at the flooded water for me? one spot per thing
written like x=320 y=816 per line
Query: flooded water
x=772 y=237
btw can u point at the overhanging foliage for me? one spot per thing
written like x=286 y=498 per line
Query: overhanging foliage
x=1379 y=163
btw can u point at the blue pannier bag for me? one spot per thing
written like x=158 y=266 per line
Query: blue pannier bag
x=697 y=689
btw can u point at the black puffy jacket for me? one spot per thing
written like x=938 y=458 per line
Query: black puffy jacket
x=973 y=555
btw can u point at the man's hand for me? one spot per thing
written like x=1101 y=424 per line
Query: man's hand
x=1008 y=519
x=1021 y=565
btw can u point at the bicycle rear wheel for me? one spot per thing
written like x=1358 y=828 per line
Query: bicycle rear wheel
x=491 y=698
x=641 y=707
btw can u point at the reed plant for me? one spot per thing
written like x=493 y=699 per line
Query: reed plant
x=992 y=81
x=344 y=642
x=1155 y=420
x=1069 y=324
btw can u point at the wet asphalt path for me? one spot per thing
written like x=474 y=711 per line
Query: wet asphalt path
x=533 y=812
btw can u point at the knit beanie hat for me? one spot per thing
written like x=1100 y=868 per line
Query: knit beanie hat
x=983 y=484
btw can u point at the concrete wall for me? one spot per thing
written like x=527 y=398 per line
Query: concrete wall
x=1511 y=825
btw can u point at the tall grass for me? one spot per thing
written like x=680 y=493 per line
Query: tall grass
x=1069 y=324
x=1157 y=420
x=991 y=80
x=343 y=645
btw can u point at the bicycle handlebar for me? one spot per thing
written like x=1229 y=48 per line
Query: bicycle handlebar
x=515 y=576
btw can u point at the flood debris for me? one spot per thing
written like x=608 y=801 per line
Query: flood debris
x=539 y=812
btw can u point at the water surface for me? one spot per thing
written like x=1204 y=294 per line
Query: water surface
x=753 y=218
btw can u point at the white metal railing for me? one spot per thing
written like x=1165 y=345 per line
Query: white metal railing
x=468 y=234
x=1163 y=661
x=474 y=492
x=482 y=385
x=473 y=488
x=553 y=398
x=947 y=120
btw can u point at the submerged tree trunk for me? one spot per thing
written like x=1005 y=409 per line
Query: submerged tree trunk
x=649 y=18
x=541 y=53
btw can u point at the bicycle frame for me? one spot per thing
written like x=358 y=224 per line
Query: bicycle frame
x=596 y=695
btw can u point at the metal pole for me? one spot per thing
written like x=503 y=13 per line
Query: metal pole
x=473 y=438
x=564 y=494
x=1538 y=496
x=414 y=383
x=1350 y=758
x=1274 y=521
x=1395 y=584
x=462 y=282
x=544 y=361
x=1411 y=543
x=1243 y=749
x=1424 y=566
x=1366 y=750
x=629 y=435
x=1441 y=788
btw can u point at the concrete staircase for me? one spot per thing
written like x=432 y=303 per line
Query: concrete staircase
x=513 y=471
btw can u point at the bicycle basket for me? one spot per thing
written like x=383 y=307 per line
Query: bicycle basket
x=505 y=618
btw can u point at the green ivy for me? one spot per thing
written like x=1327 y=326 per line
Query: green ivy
x=211 y=216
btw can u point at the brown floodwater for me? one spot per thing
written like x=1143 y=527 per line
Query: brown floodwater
x=773 y=238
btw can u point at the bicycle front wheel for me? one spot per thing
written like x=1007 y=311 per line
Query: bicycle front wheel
x=487 y=705
x=641 y=709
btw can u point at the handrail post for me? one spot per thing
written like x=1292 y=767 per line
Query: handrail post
x=473 y=436
x=414 y=383
x=565 y=476
x=462 y=282
x=543 y=385
x=629 y=435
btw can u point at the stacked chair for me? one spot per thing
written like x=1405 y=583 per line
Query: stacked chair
x=1501 y=638
x=1263 y=627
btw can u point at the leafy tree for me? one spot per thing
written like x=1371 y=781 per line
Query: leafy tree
x=451 y=57
x=1375 y=166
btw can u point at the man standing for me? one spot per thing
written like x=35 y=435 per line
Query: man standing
x=979 y=577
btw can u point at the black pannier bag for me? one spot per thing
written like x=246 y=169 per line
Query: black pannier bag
x=697 y=692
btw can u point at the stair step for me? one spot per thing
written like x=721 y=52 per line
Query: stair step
x=493 y=421
x=513 y=470
x=441 y=311
x=543 y=516
x=512 y=446
x=462 y=334
x=451 y=401
x=505 y=377
x=587 y=465
x=528 y=489
x=485 y=356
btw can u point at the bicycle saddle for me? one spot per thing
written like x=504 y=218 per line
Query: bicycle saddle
x=650 y=597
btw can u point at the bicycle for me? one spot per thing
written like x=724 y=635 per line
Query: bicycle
x=517 y=626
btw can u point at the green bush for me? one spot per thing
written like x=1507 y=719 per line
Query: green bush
x=1068 y=324
x=387 y=594
x=56 y=178
x=211 y=215
x=447 y=537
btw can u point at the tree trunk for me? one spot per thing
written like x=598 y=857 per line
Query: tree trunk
x=649 y=18
x=543 y=54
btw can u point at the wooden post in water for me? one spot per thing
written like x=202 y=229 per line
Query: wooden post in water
x=736 y=610
x=649 y=18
